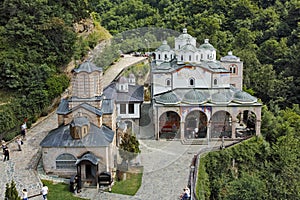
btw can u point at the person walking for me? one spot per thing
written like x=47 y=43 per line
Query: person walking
x=23 y=130
x=44 y=191
x=6 y=154
x=19 y=143
x=24 y=194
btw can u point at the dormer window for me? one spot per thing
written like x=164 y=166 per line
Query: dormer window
x=192 y=82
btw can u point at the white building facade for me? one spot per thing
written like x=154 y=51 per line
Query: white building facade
x=196 y=96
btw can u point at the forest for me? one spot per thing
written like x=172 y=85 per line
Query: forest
x=39 y=40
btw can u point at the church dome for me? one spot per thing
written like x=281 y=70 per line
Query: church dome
x=123 y=80
x=207 y=45
x=221 y=97
x=230 y=57
x=131 y=75
x=87 y=67
x=185 y=35
x=243 y=97
x=189 y=47
x=194 y=97
x=167 y=98
x=164 y=47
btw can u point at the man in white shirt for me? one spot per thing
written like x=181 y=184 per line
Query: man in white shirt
x=44 y=191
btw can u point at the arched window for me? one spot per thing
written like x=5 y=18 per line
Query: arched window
x=65 y=161
x=233 y=69
x=158 y=56
x=181 y=57
x=166 y=57
x=190 y=58
x=197 y=57
x=215 y=81
x=192 y=82
x=168 y=82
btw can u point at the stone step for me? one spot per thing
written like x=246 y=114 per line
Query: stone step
x=194 y=142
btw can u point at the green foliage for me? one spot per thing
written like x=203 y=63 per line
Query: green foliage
x=129 y=147
x=268 y=168
x=11 y=192
x=129 y=186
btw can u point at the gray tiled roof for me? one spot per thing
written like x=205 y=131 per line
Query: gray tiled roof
x=89 y=157
x=135 y=93
x=60 y=137
x=63 y=108
x=203 y=96
x=87 y=67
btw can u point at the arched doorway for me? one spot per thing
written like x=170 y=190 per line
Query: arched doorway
x=221 y=123
x=169 y=125
x=87 y=169
x=246 y=123
x=195 y=125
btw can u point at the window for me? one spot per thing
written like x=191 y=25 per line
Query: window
x=122 y=108
x=166 y=57
x=192 y=82
x=178 y=46
x=197 y=57
x=215 y=81
x=181 y=57
x=158 y=56
x=131 y=108
x=190 y=58
x=233 y=69
x=168 y=82
x=201 y=56
x=65 y=161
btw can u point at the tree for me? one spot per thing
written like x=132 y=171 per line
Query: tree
x=129 y=147
x=11 y=192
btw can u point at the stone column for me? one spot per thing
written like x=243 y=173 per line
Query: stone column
x=208 y=132
x=257 y=127
x=233 y=129
x=182 y=130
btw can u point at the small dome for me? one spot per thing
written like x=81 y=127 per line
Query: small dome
x=164 y=47
x=221 y=97
x=131 y=76
x=207 y=45
x=189 y=47
x=243 y=97
x=185 y=35
x=167 y=98
x=123 y=80
x=87 y=67
x=194 y=96
x=230 y=57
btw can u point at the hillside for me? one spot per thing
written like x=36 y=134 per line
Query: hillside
x=40 y=40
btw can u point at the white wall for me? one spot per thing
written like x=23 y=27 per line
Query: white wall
x=127 y=115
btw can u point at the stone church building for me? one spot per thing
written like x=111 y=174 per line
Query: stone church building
x=85 y=141
x=197 y=97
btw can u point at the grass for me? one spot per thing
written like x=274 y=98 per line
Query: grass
x=59 y=191
x=129 y=186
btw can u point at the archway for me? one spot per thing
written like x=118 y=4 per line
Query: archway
x=169 y=125
x=195 y=125
x=246 y=123
x=221 y=123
